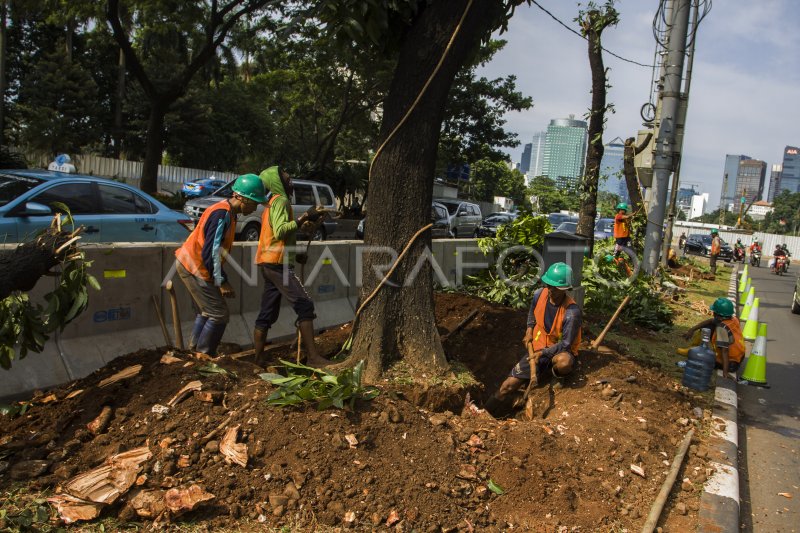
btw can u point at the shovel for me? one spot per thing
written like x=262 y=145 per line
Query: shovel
x=533 y=357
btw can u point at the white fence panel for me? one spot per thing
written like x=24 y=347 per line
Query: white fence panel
x=768 y=240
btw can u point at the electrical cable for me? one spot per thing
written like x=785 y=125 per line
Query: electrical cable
x=534 y=2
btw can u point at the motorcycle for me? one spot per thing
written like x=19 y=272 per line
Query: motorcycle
x=738 y=254
x=755 y=258
x=780 y=266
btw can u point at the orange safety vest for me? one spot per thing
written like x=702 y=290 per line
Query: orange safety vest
x=621 y=227
x=716 y=245
x=270 y=250
x=190 y=254
x=736 y=349
x=543 y=338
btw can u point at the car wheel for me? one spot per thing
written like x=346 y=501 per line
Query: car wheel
x=455 y=233
x=251 y=232
x=319 y=234
x=795 y=305
x=475 y=234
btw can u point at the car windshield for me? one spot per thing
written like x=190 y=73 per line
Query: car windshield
x=568 y=227
x=451 y=208
x=12 y=187
x=604 y=225
x=498 y=217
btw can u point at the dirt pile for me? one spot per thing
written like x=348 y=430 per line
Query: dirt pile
x=400 y=461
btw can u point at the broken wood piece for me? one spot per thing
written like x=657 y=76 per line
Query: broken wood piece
x=547 y=430
x=148 y=503
x=168 y=359
x=638 y=470
x=71 y=509
x=109 y=481
x=125 y=373
x=184 y=392
x=351 y=440
x=47 y=399
x=181 y=500
x=208 y=396
x=73 y=394
x=234 y=452
x=223 y=424
x=100 y=423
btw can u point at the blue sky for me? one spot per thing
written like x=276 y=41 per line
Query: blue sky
x=745 y=93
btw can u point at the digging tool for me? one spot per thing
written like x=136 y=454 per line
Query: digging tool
x=176 y=320
x=460 y=325
x=614 y=317
x=164 y=329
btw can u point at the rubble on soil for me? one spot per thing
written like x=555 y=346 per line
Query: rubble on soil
x=403 y=460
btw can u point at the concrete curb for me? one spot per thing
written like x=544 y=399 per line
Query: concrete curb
x=719 y=503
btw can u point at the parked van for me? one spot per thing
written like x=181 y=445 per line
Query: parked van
x=248 y=227
x=464 y=217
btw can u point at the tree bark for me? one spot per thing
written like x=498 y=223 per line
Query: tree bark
x=119 y=132
x=154 y=147
x=593 y=29
x=399 y=323
x=3 y=31
x=22 y=267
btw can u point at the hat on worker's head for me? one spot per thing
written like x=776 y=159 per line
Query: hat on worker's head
x=722 y=307
x=251 y=187
x=558 y=276
x=714 y=231
x=622 y=206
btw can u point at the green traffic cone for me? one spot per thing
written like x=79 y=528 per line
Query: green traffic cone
x=755 y=371
x=750 y=331
x=745 y=313
x=743 y=295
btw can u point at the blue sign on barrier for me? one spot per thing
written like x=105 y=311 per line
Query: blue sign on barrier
x=110 y=315
x=324 y=289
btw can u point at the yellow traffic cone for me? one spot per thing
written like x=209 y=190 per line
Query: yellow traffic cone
x=745 y=272
x=750 y=331
x=745 y=313
x=742 y=283
x=743 y=295
x=755 y=371
x=751 y=296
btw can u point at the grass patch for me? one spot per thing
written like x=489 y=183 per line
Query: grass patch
x=400 y=373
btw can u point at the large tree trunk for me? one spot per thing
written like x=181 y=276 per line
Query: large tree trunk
x=593 y=29
x=119 y=132
x=3 y=31
x=399 y=323
x=21 y=267
x=154 y=146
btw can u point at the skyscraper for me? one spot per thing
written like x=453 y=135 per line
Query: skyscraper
x=525 y=161
x=537 y=153
x=750 y=180
x=565 y=151
x=611 y=168
x=728 y=194
x=774 y=182
x=790 y=175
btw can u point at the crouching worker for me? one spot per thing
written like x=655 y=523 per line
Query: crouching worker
x=726 y=336
x=200 y=259
x=276 y=257
x=553 y=332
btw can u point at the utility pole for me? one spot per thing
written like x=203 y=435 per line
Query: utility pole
x=670 y=97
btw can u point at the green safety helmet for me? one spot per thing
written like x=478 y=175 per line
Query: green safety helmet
x=722 y=307
x=559 y=276
x=623 y=206
x=714 y=231
x=251 y=187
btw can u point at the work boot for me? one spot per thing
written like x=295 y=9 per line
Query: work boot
x=199 y=324
x=307 y=333
x=210 y=337
x=259 y=340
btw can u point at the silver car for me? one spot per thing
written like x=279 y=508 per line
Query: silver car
x=248 y=228
x=464 y=217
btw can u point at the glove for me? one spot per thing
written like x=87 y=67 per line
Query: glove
x=301 y=258
x=314 y=214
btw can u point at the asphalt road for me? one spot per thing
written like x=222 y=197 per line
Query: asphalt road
x=769 y=419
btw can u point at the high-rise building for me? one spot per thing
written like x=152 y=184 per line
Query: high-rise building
x=565 y=151
x=611 y=177
x=750 y=180
x=728 y=194
x=774 y=182
x=537 y=153
x=790 y=175
x=525 y=162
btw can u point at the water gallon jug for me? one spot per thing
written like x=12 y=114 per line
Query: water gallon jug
x=700 y=364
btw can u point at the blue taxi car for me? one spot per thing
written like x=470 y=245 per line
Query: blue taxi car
x=109 y=210
x=200 y=188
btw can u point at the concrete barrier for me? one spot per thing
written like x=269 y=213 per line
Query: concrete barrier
x=121 y=318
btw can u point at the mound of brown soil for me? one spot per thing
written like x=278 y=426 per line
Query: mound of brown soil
x=393 y=461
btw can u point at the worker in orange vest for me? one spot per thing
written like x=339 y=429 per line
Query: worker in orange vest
x=200 y=260
x=716 y=248
x=553 y=332
x=726 y=336
x=622 y=228
x=275 y=258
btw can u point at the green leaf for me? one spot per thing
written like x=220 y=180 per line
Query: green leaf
x=494 y=487
x=269 y=376
x=93 y=282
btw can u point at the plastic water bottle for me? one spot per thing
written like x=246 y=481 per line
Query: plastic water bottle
x=700 y=364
